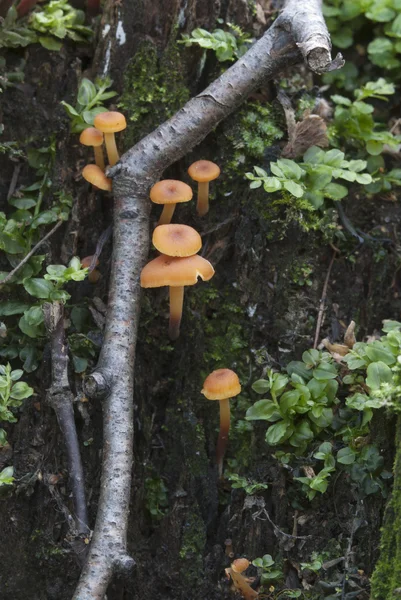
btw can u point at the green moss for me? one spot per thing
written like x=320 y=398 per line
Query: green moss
x=386 y=580
x=154 y=89
x=192 y=548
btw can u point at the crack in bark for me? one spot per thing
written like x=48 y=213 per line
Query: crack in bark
x=299 y=33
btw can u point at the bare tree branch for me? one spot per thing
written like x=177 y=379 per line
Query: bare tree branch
x=60 y=398
x=299 y=33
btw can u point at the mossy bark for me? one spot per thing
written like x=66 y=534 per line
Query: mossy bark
x=386 y=580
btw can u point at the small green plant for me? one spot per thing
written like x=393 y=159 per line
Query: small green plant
x=248 y=485
x=156 y=499
x=12 y=393
x=47 y=25
x=312 y=179
x=6 y=476
x=315 y=564
x=89 y=103
x=354 y=124
x=308 y=404
x=345 y=18
x=228 y=45
x=266 y=569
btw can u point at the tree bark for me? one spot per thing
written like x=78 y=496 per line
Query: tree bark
x=299 y=33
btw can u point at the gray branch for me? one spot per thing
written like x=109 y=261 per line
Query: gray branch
x=298 y=34
x=60 y=398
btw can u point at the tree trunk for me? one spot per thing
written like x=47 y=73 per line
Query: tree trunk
x=253 y=314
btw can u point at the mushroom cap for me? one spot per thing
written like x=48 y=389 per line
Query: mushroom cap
x=87 y=261
x=95 y=176
x=175 y=271
x=170 y=191
x=91 y=137
x=110 y=122
x=221 y=384
x=240 y=564
x=203 y=170
x=176 y=240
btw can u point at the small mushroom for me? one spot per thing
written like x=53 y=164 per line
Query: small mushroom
x=176 y=240
x=93 y=137
x=169 y=192
x=96 y=177
x=89 y=263
x=110 y=123
x=176 y=273
x=203 y=171
x=240 y=582
x=222 y=385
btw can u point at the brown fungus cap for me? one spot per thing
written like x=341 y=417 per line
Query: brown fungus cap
x=87 y=261
x=95 y=176
x=221 y=384
x=177 y=240
x=175 y=272
x=203 y=170
x=110 y=122
x=91 y=137
x=170 y=191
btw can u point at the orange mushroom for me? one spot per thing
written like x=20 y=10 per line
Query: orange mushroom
x=203 y=171
x=176 y=273
x=176 y=240
x=239 y=580
x=93 y=137
x=110 y=123
x=222 y=385
x=96 y=177
x=169 y=192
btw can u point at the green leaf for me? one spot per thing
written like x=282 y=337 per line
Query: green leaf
x=376 y=351
x=279 y=432
x=290 y=168
x=50 y=43
x=20 y=391
x=374 y=147
x=294 y=188
x=260 y=172
x=346 y=456
x=378 y=373
x=288 y=400
x=261 y=386
x=12 y=307
x=302 y=434
x=87 y=92
x=22 y=203
x=263 y=410
x=39 y=288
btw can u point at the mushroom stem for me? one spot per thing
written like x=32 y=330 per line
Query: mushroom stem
x=202 y=205
x=167 y=214
x=112 y=152
x=223 y=433
x=176 y=303
x=99 y=158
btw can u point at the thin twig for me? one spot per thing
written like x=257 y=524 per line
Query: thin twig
x=60 y=398
x=323 y=300
x=30 y=253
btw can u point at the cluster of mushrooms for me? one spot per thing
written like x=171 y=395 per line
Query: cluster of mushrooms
x=178 y=264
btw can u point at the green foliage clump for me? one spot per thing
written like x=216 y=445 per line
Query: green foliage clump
x=311 y=180
x=156 y=499
x=321 y=398
x=55 y=21
x=345 y=18
x=228 y=45
x=268 y=571
x=354 y=124
x=89 y=103
x=12 y=393
x=249 y=486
